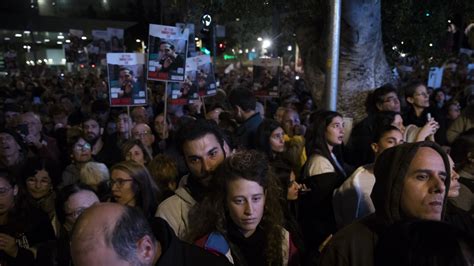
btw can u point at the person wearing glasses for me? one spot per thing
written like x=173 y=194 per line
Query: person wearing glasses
x=358 y=151
x=70 y=202
x=132 y=185
x=420 y=113
x=80 y=151
x=143 y=133
x=39 y=180
x=21 y=229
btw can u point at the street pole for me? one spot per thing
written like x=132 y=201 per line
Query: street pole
x=332 y=63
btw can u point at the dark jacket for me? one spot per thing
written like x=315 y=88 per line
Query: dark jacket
x=355 y=244
x=178 y=253
x=358 y=151
x=245 y=133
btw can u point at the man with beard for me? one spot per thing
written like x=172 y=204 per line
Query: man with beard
x=101 y=151
x=202 y=145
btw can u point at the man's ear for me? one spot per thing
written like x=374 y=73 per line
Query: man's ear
x=375 y=147
x=379 y=106
x=15 y=190
x=148 y=250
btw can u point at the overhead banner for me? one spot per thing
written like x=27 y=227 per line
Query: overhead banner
x=266 y=74
x=127 y=84
x=115 y=40
x=167 y=50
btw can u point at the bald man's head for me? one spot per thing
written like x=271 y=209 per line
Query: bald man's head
x=113 y=234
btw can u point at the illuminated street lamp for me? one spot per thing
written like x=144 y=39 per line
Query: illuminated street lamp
x=266 y=44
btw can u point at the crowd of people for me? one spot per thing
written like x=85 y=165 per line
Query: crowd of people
x=234 y=179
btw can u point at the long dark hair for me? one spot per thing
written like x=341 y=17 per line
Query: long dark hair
x=211 y=215
x=263 y=134
x=316 y=142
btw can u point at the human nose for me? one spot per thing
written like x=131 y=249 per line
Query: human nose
x=207 y=166
x=438 y=185
x=248 y=209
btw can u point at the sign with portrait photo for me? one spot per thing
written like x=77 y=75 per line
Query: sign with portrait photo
x=98 y=48
x=127 y=84
x=266 y=75
x=201 y=74
x=115 y=40
x=167 y=50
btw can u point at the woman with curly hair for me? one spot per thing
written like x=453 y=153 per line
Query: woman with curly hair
x=241 y=214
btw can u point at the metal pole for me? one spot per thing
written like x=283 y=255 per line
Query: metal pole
x=332 y=63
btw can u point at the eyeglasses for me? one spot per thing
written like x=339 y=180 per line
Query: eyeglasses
x=119 y=182
x=79 y=147
x=74 y=214
x=4 y=191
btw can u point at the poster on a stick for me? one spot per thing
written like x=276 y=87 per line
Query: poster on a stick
x=115 y=40
x=199 y=82
x=127 y=86
x=167 y=48
x=266 y=73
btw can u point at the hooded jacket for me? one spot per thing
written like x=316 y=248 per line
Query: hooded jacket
x=355 y=244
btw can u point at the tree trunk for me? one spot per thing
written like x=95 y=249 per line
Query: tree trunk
x=362 y=63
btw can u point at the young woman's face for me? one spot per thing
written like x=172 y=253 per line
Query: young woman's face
x=277 y=142
x=335 y=131
x=293 y=188
x=420 y=98
x=39 y=185
x=136 y=154
x=398 y=123
x=246 y=203
x=122 y=187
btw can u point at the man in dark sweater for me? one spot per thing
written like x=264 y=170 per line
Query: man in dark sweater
x=113 y=234
x=243 y=103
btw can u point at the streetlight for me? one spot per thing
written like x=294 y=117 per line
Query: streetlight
x=290 y=48
x=266 y=44
x=259 y=39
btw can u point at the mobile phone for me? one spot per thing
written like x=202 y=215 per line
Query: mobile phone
x=428 y=116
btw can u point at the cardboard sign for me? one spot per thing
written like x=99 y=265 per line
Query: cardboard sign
x=167 y=50
x=266 y=75
x=435 y=77
x=126 y=79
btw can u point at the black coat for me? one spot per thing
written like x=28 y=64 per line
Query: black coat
x=178 y=253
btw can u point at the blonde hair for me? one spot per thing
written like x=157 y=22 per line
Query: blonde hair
x=93 y=173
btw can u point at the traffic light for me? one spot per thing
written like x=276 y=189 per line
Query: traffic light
x=221 y=48
x=206 y=40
